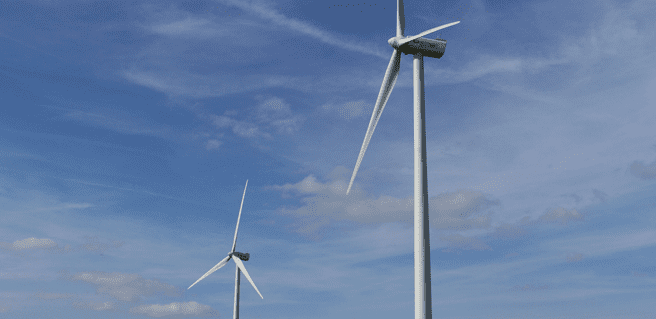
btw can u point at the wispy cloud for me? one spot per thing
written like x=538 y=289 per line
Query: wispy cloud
x=108 y=117
x=50 y=296
x=607 y=243
x=92 y=244
x=240 y=128
x=95 y=305
x=190 y=27
x=268 y=12
x=30 y=243
x=487 y=64
x=213 y=144
x=347 y=110
x=278 y=114
x=561 y=215
x=126 y=124
x=124 y=287
x=529 y=287
x=183 y=79
x=574 y=257
x=322 y=202
x=642 y=171
x=189 y=309
x=460 y=242
x=185 y=83
x=461 y=210
x=270 y=114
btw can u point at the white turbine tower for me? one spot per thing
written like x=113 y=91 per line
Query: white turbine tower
x=418 y=47
x=240 y=266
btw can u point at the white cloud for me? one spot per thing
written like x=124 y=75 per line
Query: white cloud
x=460 y=210
x=458 y=241
x=240 y=128
x=222 y=121
x=176 y=310
x=33 y=243
x=272 y=108
x=195 y=27
x=348 y=110
x=561 y=215
x=94 y=245
x=607 y=243
x=213 y=144
x=91 y=244
x=49 y=296
x=125 y=287
x=322 y=202
x=529 y=287
x=574 y=257
x=271 y=113
x=276 y=113
x=614 y=29
x=97 y=306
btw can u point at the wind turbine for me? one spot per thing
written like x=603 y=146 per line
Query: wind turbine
x=418 y=47
x=240 y=266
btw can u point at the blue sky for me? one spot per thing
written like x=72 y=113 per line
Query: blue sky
x=129 y=128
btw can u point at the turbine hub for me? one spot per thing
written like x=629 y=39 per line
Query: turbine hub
x=394 y=42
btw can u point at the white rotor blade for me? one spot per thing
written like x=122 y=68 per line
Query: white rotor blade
x=243 y=269
x=385 y=89
x=406 y=40
x=234 y=242
x=215 y=268
x=400 y=18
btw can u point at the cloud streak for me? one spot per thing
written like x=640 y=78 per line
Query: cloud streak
x=189 y=309
x=30 y=243
x=92 y=244
x=124 y=287
x=269 y=13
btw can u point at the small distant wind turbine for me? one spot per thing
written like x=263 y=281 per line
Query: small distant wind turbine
x=419 y=47
x=240 y=266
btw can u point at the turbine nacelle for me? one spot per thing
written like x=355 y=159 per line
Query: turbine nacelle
x=426 y=47
x=242 y=256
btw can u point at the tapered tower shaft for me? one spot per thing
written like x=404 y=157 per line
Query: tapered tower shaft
x=423 y=307
x=235 y=312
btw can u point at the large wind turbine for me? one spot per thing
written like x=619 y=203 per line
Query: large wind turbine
x=240 y=266
x=418 y=47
